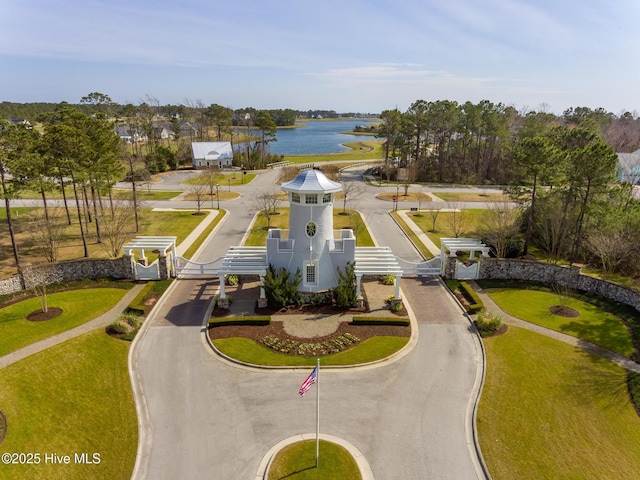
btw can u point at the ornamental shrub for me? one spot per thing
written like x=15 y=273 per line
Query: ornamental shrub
x=345 y=292
x=279 y=289
x=488 y=324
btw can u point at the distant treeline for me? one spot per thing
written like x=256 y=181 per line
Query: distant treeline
x=282 y=117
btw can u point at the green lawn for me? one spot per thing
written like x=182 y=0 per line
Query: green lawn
x=143 y=194
x=251 y=352
x=593 y=325
x=79 y=306
x=298 y=462
x=177 y=223
x=552 y=411
x=72 y=398
x=360 y=150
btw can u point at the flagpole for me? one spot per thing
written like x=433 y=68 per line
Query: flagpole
x=317 y=412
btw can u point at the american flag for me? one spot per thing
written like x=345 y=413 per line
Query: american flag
x=311 y=379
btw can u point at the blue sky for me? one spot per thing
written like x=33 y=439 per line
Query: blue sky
x=348 y=55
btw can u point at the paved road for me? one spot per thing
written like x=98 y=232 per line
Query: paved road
x=207 y=419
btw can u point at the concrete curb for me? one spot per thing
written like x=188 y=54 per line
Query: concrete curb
x=363 y=465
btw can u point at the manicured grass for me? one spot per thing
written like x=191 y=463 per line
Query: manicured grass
x=472 y=197
x=424 y=251
x=79 y=306
x=298 y=462
x=593 y=325
x=250 y=351
x=143 y=194
x=552 y=411
x=176 y=223
x=72 y=398
x=224 y=180
x=258 y=234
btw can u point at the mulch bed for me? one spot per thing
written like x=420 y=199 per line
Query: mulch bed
x=40 y=316
x=564 y=311
x=257 y=333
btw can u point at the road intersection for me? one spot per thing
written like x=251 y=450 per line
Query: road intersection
x=203 y=418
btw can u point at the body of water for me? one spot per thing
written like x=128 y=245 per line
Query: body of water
x=317 y=137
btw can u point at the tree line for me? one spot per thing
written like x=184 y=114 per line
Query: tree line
x=562 y=171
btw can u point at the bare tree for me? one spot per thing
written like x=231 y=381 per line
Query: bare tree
x=199 y=192
x=37 y=279
x=116 y=226
x=422 y=197
x=266 y=203
x=459 y=220
x=434 y=217
x=500 y=226
x=612 y=248
x=212 y=181
x=351 y=192
x=47 y=234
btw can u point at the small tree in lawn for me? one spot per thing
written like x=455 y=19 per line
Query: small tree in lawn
x=116 y=226
x=47 y=233
x=266 y=203
x=199 y=193
x=434 y=217
x=459 y=221
x=37 y=279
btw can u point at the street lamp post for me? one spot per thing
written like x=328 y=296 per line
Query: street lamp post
x=397 y=193
x=218 y=194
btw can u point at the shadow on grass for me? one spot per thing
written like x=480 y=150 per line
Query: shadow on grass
x=295 y=473
x=598 y=382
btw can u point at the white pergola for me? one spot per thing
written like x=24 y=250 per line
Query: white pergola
x=243 y=261
x=377 y=261
x=166 y=246
x=471 y=245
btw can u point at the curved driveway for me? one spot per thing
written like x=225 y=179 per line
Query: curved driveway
x=202 y=418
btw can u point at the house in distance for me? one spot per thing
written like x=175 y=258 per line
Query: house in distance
x=211 y=154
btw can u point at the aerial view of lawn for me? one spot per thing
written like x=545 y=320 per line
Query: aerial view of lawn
x=78 y=307
x=71 y=399
x=591 y=324
x=552 y=411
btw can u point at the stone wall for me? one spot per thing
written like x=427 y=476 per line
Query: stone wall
x=119 y=268
x=507 y=269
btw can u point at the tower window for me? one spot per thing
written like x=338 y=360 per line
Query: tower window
x=295 y=197
x=310 y=273
x=311 y=198
x=326 y=198
x=311 y=229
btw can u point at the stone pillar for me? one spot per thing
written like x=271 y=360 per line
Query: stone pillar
x=163 y=267
x=359 y=297
x=397 y=280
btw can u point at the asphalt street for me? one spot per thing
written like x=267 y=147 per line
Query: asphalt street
x=203 y=418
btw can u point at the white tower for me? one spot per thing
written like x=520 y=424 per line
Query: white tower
x=311 y=245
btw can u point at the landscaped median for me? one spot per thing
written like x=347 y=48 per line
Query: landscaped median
x=258 y=341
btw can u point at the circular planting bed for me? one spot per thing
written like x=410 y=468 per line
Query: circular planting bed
x=40 y=316
x=563 y=311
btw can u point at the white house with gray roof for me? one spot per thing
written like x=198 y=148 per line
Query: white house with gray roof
x=211 y=154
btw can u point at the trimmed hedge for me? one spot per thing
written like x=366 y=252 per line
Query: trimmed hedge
x=476 y=304
x=253 y=320
x=393 y=321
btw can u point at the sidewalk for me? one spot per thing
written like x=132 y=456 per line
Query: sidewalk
x=99 y=322
x=435 y=251
x=492 y=307
x=110 y=316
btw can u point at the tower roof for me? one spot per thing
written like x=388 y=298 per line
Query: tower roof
x=311 y=181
